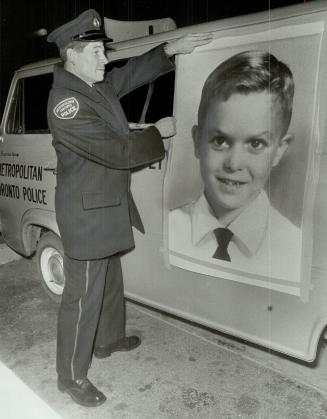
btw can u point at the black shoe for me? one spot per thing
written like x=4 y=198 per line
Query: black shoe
x=82 y=391
x=126 y=344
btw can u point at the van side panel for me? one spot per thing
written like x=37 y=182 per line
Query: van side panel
x=287 y=319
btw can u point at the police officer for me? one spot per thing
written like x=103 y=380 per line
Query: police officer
x=94 y=206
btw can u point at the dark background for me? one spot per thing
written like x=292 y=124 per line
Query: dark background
x=19 y=43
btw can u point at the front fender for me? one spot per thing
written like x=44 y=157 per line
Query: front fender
x=33 y=221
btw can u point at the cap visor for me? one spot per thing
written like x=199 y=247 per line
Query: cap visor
x=91 y=38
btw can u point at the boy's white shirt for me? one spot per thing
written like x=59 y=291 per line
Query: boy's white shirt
x=264 y=241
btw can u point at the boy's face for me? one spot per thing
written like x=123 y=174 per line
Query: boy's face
x=238 y=143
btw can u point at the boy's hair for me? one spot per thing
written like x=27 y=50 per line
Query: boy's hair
x=250 y=72
x=76 y=45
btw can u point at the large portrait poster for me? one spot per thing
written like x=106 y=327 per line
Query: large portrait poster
x=239 y=189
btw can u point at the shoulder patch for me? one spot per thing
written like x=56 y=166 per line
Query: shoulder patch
x=67 y=108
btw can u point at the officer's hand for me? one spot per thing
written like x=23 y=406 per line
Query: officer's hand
x=166 y=126
x=187 y=43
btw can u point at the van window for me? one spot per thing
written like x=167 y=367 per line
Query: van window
x=28 y=110
x=161 y=102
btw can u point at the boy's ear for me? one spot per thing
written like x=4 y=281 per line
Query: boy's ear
x=284 y=142
x=195 y=136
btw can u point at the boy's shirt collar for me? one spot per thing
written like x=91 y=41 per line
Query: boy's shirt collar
x=202 y=220
x=249 y=228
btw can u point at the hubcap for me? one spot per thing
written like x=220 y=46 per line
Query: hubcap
x=52 y=270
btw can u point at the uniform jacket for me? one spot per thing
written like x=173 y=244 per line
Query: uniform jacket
x=95 y=152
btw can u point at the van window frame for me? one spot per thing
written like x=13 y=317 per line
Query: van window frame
x=17 y=100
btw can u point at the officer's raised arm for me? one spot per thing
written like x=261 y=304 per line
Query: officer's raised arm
x=186 y=44
x=154 y=63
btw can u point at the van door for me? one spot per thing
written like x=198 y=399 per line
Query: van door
x=27 y=158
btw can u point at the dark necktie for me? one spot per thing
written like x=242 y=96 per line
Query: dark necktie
x=223 y=237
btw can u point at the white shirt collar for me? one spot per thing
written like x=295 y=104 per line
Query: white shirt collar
x=203 y=222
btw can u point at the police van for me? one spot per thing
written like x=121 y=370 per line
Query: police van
x=286 y=312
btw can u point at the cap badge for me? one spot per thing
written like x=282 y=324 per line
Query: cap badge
x=96 y=22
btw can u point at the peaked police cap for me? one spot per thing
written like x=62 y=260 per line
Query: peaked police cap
x=84 y=28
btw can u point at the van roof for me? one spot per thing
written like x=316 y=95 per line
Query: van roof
x=228 y=23
x=213 y=26
x=39 y=64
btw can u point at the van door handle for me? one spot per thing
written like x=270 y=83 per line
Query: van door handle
x=51 y=167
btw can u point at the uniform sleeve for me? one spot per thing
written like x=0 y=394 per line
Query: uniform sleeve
x=92 y=138
x=140 y=70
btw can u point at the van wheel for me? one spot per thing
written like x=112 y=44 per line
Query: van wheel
x=49 y=256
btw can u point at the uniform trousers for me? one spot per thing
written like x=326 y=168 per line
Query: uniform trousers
x=91 y=313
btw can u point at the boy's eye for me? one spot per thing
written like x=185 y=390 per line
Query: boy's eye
x=219 y=142
x=257 y=144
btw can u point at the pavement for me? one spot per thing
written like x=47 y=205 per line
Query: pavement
x=180 y=371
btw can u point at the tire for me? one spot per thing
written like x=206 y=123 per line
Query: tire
x=49 y=257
